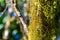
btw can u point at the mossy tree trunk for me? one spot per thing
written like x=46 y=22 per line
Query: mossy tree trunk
x=36 y=23
x=42 y=24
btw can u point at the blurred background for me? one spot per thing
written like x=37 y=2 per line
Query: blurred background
x=14 y=28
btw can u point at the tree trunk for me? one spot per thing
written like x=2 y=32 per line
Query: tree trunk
x=36 y=22
x=42 y=24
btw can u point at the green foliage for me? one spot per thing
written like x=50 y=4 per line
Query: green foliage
x=1 y=18
x=2 y=5
x=1 y=0
x=20 y=5
x=19 y=1
x=13 y=25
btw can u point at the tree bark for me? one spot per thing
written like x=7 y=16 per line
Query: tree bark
x=42 y=24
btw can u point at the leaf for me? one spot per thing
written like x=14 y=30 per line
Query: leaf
x=1 y=0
